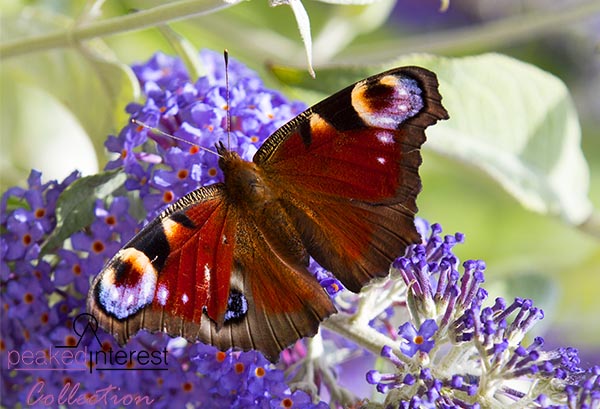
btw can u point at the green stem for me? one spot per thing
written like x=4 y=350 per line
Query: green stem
x=135 y=21
x=485 y=36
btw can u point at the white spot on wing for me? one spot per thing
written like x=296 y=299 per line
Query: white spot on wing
x=385 y=138
x=162 y=294
x=206 y=273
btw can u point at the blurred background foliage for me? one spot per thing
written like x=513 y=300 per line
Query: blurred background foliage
x=60 y=98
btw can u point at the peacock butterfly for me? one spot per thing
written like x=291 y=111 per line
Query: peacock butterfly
x=227 y=263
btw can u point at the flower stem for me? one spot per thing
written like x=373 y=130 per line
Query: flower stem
x=363 y=335
x=485 y=36
x=135 y=21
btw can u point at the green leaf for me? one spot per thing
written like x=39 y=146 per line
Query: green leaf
x=86 y=79
x=509 y=119
x=75 y=206
x=518 y=124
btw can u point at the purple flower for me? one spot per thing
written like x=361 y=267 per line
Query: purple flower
x=417 y=340
x=480 y=354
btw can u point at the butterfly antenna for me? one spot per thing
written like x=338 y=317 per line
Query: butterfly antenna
x=168 y=135
x=228 y=113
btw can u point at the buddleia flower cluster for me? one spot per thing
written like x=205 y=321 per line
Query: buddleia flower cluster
x=428 y=328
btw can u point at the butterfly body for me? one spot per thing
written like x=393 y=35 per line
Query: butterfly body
x=227 y=263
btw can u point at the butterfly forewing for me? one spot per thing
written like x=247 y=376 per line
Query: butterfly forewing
x=227 y=263
x=348 y=170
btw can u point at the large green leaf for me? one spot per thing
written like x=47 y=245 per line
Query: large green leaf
x=509 y=119
x=86 y=79
x=75 y=206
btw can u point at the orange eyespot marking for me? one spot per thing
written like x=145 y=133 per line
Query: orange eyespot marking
x=97 y=247
x=226 y=107
x=221 y=356
x=270 y=116
x=194 y=149
x=182 y=174
x=39 y=213
x=110 y=220
x=212 y=172
x=419 y=340
x=162 y=109
x=76 y=269
x=106 y=346
x=28 y=298
x=27 y=239
x=239 y=368
x=168 y=196
x=287 y=403
x=70 y=341
x=210 y=128
x=254 y=139
x=260 y=372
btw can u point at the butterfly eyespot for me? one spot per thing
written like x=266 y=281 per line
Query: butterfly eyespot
x=388 y=102
x=237 y=306
x=127 y=284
